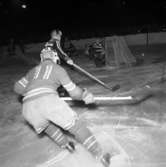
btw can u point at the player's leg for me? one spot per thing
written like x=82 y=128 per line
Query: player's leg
x=62 y=115
x=88 y=140
x=35 y=117
x=56 y=134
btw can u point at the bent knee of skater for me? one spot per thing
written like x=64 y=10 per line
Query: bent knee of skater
x=80 y=131
x=40 y=128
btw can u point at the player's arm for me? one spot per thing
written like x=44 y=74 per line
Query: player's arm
x=54 y=44
x=62 y=54
x=74 y=91
x=20 y=85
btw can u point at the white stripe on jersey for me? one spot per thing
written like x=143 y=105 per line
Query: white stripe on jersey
x=38 y=91
x=70 y=86
x=47 y=72
x=23 y=82
x=37 y=71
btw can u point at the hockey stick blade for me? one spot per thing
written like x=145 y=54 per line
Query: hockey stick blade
x=115 y=88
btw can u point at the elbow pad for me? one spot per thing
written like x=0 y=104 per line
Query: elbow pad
x=70 y=86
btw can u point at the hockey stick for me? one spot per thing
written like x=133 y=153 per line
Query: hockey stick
x=102 y=98
x=113 y=88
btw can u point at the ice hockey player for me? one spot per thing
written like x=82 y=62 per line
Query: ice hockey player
x=42 y=107
x=55 y=44
x=69 y=48
x=98 y=52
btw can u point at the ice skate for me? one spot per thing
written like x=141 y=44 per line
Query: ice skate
x=70 y=146
x=105 y=160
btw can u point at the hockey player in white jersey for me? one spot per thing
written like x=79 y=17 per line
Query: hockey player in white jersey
x=43 y=108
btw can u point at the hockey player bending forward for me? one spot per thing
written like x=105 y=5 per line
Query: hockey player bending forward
x=43 y=108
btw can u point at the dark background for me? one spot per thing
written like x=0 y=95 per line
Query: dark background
x=80 y=19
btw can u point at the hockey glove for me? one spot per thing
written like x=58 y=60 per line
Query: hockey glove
x=87 y=97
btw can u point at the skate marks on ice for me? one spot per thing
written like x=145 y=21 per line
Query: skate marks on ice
x=82 y=158
x=109 y=144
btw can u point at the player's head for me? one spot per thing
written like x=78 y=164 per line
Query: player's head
x=97 y=41
x=47 y=53
x=56 y=34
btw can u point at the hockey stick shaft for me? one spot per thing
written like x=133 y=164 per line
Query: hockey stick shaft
x=102 y=98
x=96 y=79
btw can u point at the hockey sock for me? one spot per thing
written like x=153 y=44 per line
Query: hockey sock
x=56 y=135
x=87 y=139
